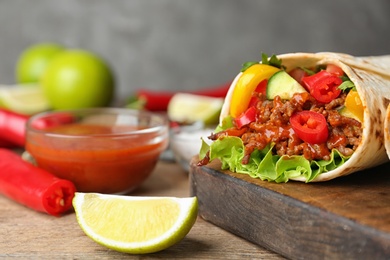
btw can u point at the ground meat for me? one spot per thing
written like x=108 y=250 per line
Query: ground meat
x=228 y=132
x=264 y=108
x=337 y=102
x=272 y=126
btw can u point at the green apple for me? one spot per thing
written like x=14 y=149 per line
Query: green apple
x=78 y=79
x=34 y=60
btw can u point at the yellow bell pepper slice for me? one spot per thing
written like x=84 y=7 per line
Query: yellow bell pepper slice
x=354 y=104
x=246 y=84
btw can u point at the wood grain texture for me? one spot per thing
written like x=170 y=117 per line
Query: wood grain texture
x=25 y=234
x=346 y=218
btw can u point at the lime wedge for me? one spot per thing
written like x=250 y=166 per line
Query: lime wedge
x=189 y=108
x=25 y=99
x=134 y=224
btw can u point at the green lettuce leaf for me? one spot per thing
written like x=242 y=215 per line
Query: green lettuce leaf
x=227 y=122
x=264 y=165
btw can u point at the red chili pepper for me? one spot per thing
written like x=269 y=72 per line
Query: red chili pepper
x=52 y=120
x=158 y=100
x=310 y=126
x=7 y=144
x=33 y=186
x=245 y=118
x=214 y=91
x=12 y=127
x=323 y=86
x=152 y=100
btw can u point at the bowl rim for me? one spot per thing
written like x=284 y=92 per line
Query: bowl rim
x=162 y=124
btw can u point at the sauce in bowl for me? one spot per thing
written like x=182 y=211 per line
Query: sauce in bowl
x=97 y=157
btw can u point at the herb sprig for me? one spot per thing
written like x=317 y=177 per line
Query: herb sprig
x=265 y=59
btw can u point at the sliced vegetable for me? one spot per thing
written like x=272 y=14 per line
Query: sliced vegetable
x=344 y=111
x=246 y=84
x=283 y=85
x=247 y=117
x=32 y=186
x=189 y=108
x=310 y=126
x=354 y=104
x=25 y=99
x=335 y=70
x=261 y=88
x=298 y=74
x=248 y=64
x=323 y=86
x=12 y=127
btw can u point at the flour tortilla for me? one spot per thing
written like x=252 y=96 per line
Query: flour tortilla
x=387 y=131
x=371 y=76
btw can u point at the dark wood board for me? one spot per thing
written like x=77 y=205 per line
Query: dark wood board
x=345 y=218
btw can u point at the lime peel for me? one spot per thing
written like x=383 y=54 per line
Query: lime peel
x=124 y=214
x=189 y=108
x=24 y=98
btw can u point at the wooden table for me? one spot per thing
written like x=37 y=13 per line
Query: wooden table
x=26 y=234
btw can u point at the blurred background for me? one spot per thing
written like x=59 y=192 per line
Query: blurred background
x=186 y=44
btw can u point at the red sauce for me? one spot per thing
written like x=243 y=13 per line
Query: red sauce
x=115 y=164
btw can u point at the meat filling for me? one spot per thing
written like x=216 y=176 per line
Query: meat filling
x=272 y=126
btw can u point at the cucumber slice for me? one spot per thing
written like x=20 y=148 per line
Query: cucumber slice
x=283 y=85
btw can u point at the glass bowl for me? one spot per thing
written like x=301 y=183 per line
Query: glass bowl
x=105 y=150
x=186 y=141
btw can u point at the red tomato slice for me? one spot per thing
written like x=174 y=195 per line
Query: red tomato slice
x=310 y=126
x=335 y=70
x=323 y=86
x=298 y=74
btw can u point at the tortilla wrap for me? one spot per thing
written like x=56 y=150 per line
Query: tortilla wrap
x=371 y=76
x=387 y=131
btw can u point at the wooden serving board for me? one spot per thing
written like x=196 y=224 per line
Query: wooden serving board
x=345 y=218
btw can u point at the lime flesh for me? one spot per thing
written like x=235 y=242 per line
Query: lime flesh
x=135 y=225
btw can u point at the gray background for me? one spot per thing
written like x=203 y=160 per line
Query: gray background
x=190 y=44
